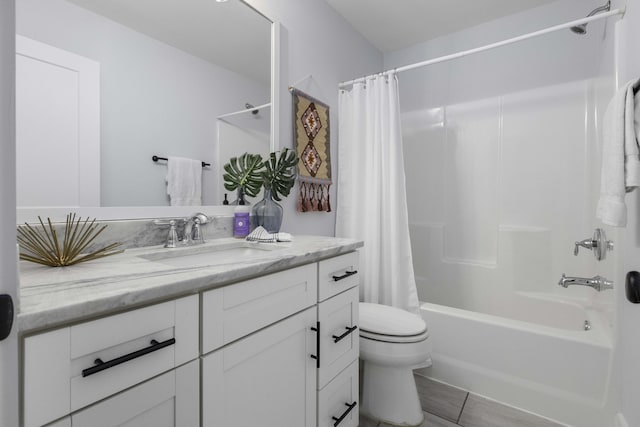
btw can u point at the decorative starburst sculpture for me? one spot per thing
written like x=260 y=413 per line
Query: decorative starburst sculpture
x=42 y=245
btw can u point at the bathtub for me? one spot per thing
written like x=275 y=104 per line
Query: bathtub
x=553 y=367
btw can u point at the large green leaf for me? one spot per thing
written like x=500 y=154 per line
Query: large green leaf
x=244 y=172
x=279 y=173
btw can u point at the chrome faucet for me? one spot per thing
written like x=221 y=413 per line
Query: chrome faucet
x=192 y=233
x=598 y=283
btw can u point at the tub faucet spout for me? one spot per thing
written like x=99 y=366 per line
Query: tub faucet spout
x=598 y=283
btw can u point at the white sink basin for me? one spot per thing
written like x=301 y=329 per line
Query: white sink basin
x=211 y=254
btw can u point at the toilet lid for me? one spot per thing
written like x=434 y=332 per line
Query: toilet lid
x=390 y=321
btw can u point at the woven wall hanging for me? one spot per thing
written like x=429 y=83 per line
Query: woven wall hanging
x=313 y=146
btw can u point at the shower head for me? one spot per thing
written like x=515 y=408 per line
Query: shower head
x=582 y=29
x=249 y=106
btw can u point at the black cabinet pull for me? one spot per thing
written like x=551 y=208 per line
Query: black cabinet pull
x=341 y=337
x=344 y=415
x=101 y=366
x=345 y=275
x=317 y=355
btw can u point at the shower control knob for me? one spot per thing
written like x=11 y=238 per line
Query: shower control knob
x=586 y=243
x=598 y=244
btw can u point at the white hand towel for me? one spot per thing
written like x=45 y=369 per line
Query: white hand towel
x=260 y=234
x=620 y=155
x=184 y=181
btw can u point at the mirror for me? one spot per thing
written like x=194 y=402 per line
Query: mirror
x=165 y=78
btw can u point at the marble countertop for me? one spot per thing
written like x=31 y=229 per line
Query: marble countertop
x=51 y=297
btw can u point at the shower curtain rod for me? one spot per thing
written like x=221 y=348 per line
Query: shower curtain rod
x=491 y=46
x=248 y=110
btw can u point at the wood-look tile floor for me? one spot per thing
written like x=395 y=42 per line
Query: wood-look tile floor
x=448 y=406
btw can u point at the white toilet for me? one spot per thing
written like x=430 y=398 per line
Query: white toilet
x=392 y=343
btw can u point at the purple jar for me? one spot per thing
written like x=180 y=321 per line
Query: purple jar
x=241 y=224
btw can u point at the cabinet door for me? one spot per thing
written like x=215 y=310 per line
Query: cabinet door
x=170 y=400
x=267 y=379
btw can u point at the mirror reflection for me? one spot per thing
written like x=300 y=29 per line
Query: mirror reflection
x=102 y=87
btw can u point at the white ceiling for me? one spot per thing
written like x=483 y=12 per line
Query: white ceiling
x=395 y=24
x=228 y=34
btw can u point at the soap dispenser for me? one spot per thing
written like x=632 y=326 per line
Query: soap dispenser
x=241 y=223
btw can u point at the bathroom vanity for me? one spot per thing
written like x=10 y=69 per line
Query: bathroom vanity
x=223 y=334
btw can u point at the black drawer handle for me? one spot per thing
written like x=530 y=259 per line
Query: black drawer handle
x=343 y=336
x=345 y=275
x=344 y=415
x=101 y=366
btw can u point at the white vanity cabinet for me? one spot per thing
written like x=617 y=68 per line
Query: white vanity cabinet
x=276 y=350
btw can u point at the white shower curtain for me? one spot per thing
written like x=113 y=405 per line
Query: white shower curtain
x=372 y=201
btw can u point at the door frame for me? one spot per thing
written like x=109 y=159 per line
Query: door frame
x=9 y=395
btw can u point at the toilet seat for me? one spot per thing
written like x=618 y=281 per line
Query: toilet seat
x=394 y=338
x=390 y=324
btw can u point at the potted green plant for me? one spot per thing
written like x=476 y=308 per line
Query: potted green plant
x=243 y=174
x=278 y=177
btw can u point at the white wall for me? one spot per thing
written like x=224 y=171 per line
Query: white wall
x=628 y=65
x=156 y=99
x=317 y=41
x=8 y=270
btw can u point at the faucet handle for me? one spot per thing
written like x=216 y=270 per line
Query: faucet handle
x=172 y=237
x=586 y=243
x=598 y=244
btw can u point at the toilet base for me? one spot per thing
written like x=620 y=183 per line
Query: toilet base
x=389 y=394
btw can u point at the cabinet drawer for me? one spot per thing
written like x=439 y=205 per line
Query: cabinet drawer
x=338 y=401
x=339 y=339
x=232 y=312
x=337 y=274
x=61 y=369
x=169 y=400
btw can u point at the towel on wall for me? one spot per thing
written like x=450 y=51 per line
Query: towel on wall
x=184 y=181
x=311 y=136
x=620 y=154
